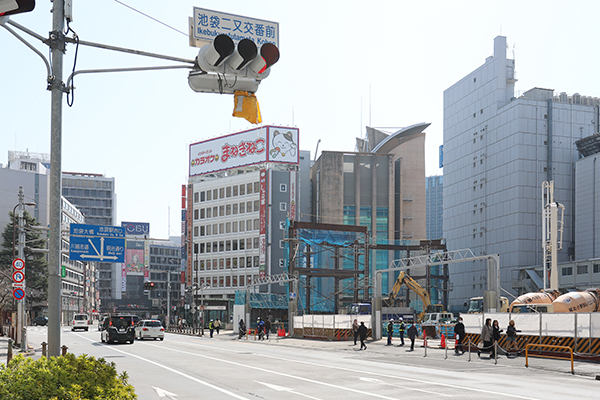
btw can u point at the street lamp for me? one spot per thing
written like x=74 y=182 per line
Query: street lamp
x=201 y=288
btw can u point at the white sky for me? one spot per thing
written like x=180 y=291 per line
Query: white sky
x=344 y=65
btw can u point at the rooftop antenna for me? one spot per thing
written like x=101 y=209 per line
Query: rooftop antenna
x=169 y=223
x=369 y=104
x=317 y=149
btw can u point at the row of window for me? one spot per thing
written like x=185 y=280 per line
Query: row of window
x=227 y=245
x=581 y=270
x=227 y=227
x=227 y=192
x=226 y=263
x=225 y=281
x=227 y=209
x=175 y=252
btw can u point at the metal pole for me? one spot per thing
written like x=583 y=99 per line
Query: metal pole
x=21 y=325
x=168 y=300
x=57 y=45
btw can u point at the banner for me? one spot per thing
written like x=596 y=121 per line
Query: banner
x=262 y=255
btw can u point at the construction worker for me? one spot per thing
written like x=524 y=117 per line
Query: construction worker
x=390 y=331
x=401 y=329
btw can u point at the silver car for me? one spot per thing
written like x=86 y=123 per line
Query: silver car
x=149 y=329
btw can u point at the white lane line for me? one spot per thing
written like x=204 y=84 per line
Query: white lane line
x=448 y=385
x=277 y=373
x=284 y=389
x=224 y=391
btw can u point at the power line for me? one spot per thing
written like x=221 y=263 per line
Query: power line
x=152 y=18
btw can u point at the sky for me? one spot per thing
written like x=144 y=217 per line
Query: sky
x=344 y=65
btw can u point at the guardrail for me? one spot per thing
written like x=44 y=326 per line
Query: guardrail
x=548 y=346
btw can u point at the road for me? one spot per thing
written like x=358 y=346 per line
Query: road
x=185 y=367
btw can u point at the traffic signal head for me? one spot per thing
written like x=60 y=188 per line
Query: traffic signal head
x=7 y=7
x=148 y=285
x=224 y=67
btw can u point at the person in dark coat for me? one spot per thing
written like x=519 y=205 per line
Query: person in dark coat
x=355 y=330
x=412 y=335
x=511 y=337
x=362 y=333
x=401 y=329
x=267 y=327
x=496 y=331
x=486 y=336
x=390 y=331
x=459 y=332
x=242 y=329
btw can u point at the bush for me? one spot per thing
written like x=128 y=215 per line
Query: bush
x=63 y=378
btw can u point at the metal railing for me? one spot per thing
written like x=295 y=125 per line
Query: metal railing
x=548 y=346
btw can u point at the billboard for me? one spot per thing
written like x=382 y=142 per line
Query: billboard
x=264 y=144
x=136 y=228
x=262 y=234
x=135 y=258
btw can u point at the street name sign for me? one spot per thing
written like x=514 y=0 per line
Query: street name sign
x=97 y=243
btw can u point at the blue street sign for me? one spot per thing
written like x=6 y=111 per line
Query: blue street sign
x=18 y=294
x=97 y=243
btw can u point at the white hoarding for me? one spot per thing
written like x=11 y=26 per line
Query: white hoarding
x=264 y=144
x=208 y=24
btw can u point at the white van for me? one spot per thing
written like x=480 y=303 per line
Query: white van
x=80 y=321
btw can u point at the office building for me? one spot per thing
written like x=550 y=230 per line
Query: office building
x=434 y=198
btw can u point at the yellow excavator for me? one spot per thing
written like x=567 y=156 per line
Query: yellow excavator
x=404 y=279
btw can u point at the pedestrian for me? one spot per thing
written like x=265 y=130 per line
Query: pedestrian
x=390 y=331
x=260 y=328
x=242 y=329
x=217 y=325
x=401 y=328
x=459 y=336
x=511 y=337
x=362 y=333
x=412 y=335
x=355 y=330
x=486 y=336
x=496 y=331
x=211 y=327
x=267 y=327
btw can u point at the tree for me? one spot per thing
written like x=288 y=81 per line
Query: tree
x=36 y=265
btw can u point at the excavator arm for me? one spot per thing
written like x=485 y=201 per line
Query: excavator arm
x=404 y=279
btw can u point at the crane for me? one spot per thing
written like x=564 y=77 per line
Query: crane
x=404 y=279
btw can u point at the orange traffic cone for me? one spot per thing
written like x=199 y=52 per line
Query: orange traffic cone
x=443 y=341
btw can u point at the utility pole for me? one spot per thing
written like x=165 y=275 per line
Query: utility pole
x=57 y=87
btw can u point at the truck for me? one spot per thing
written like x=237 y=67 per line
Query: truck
x=538 y=298
x=476 y=305
x=404 y=279
x=554 y=302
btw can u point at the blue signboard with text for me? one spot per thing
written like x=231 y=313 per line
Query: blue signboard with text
x=97 y=243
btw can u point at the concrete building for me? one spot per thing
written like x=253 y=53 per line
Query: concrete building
x=94 y=195
x=498 y=149
x=237 y=207
x=381 y=186
x=435 y=206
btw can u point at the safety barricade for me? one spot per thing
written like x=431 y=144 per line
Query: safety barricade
x=548 y=346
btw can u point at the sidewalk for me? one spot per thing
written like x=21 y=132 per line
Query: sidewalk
x=434 y=354
x=35 y=354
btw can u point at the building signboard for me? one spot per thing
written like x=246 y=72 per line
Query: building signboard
x=293 y=205
x=265 y=144
x=136 y=228
x=262 y=234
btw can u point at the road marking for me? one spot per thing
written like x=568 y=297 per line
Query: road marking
x=284 y=389
x=163 y=393
x=224 y=391
x=379 y=381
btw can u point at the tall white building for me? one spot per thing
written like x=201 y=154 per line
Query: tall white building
x=498 y=149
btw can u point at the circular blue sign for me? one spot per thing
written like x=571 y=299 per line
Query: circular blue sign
x=18 y=294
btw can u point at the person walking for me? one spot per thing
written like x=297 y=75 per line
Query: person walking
x=459 y=333
x=355 y=330
x=260 y=329
x=362 y=333
x=511 y=337
x=242 y=329
x=412 y=335
x=211 y=327
x=217 y=325
x=401 y=329
x=496 y=331
x=267 y=327
x=486 y=336
x=390 y=331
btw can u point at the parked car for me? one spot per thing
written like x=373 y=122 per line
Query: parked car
x=80 y=321
x=149 y=329
x=42 y=321
x=118 y=328
x=101 y=323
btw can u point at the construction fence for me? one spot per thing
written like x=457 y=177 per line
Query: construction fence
x=328 y=327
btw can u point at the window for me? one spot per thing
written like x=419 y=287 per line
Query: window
x=249 y=225
x=248 y=262
x=202 y=196
x=215 y=247
x=234 y=260
x=234 y=226
x=228 y=245
x=283 y=187
x=207 y=230
x=235 y=208
x=596 y=268
x=215 y=264
x=221 y=211
x=281 y=243
x=249 y=188
x=242 y=262
x=202 y=230
x=221 y=229
x=242 y=226
x=228 y=209
x=208 y=247
x=228 y=191
x=201 y=265
x=255 y=262
x=215 y=230
x=582 y=269
x=222 y=193
x=215 y=212
x=202 y=213
x=281 y=263
x=242 y=244
x=256 y=224
x=208 y=195
x=196 y=197
x=566 y=271
x=221 y=246
x=215 y=194
x=255 y=242
x=221 y=263
x=256 y=205
x=242 y=190
x=196 y=214
x=234 y=245
x=209 y=213
x=228 y=227
x=195 y=231
x=242 y=208
x=228 y=263
x=282 y=206
x=256 y=187
x=282 y=225
x=235 y=190
x=248 y=243
x=249 y=207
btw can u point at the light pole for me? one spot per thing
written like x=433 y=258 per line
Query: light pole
x=21 y=336
x=202 y=306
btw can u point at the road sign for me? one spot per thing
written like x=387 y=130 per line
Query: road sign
x=18 y=294
x=97 y=243
x=208 y=24
x=18 y=264
x=18 y=276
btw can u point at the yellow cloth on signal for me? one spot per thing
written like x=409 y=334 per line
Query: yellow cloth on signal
x=245 y=105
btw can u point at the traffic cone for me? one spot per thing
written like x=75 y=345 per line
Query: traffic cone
x=443 y=341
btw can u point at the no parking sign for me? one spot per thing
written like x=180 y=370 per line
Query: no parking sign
x=18 y=294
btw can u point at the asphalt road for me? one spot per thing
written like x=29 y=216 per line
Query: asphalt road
x=185 y=367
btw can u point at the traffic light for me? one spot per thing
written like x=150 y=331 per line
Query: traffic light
x=11 y=7
x=148 y=285
x=223 y=67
